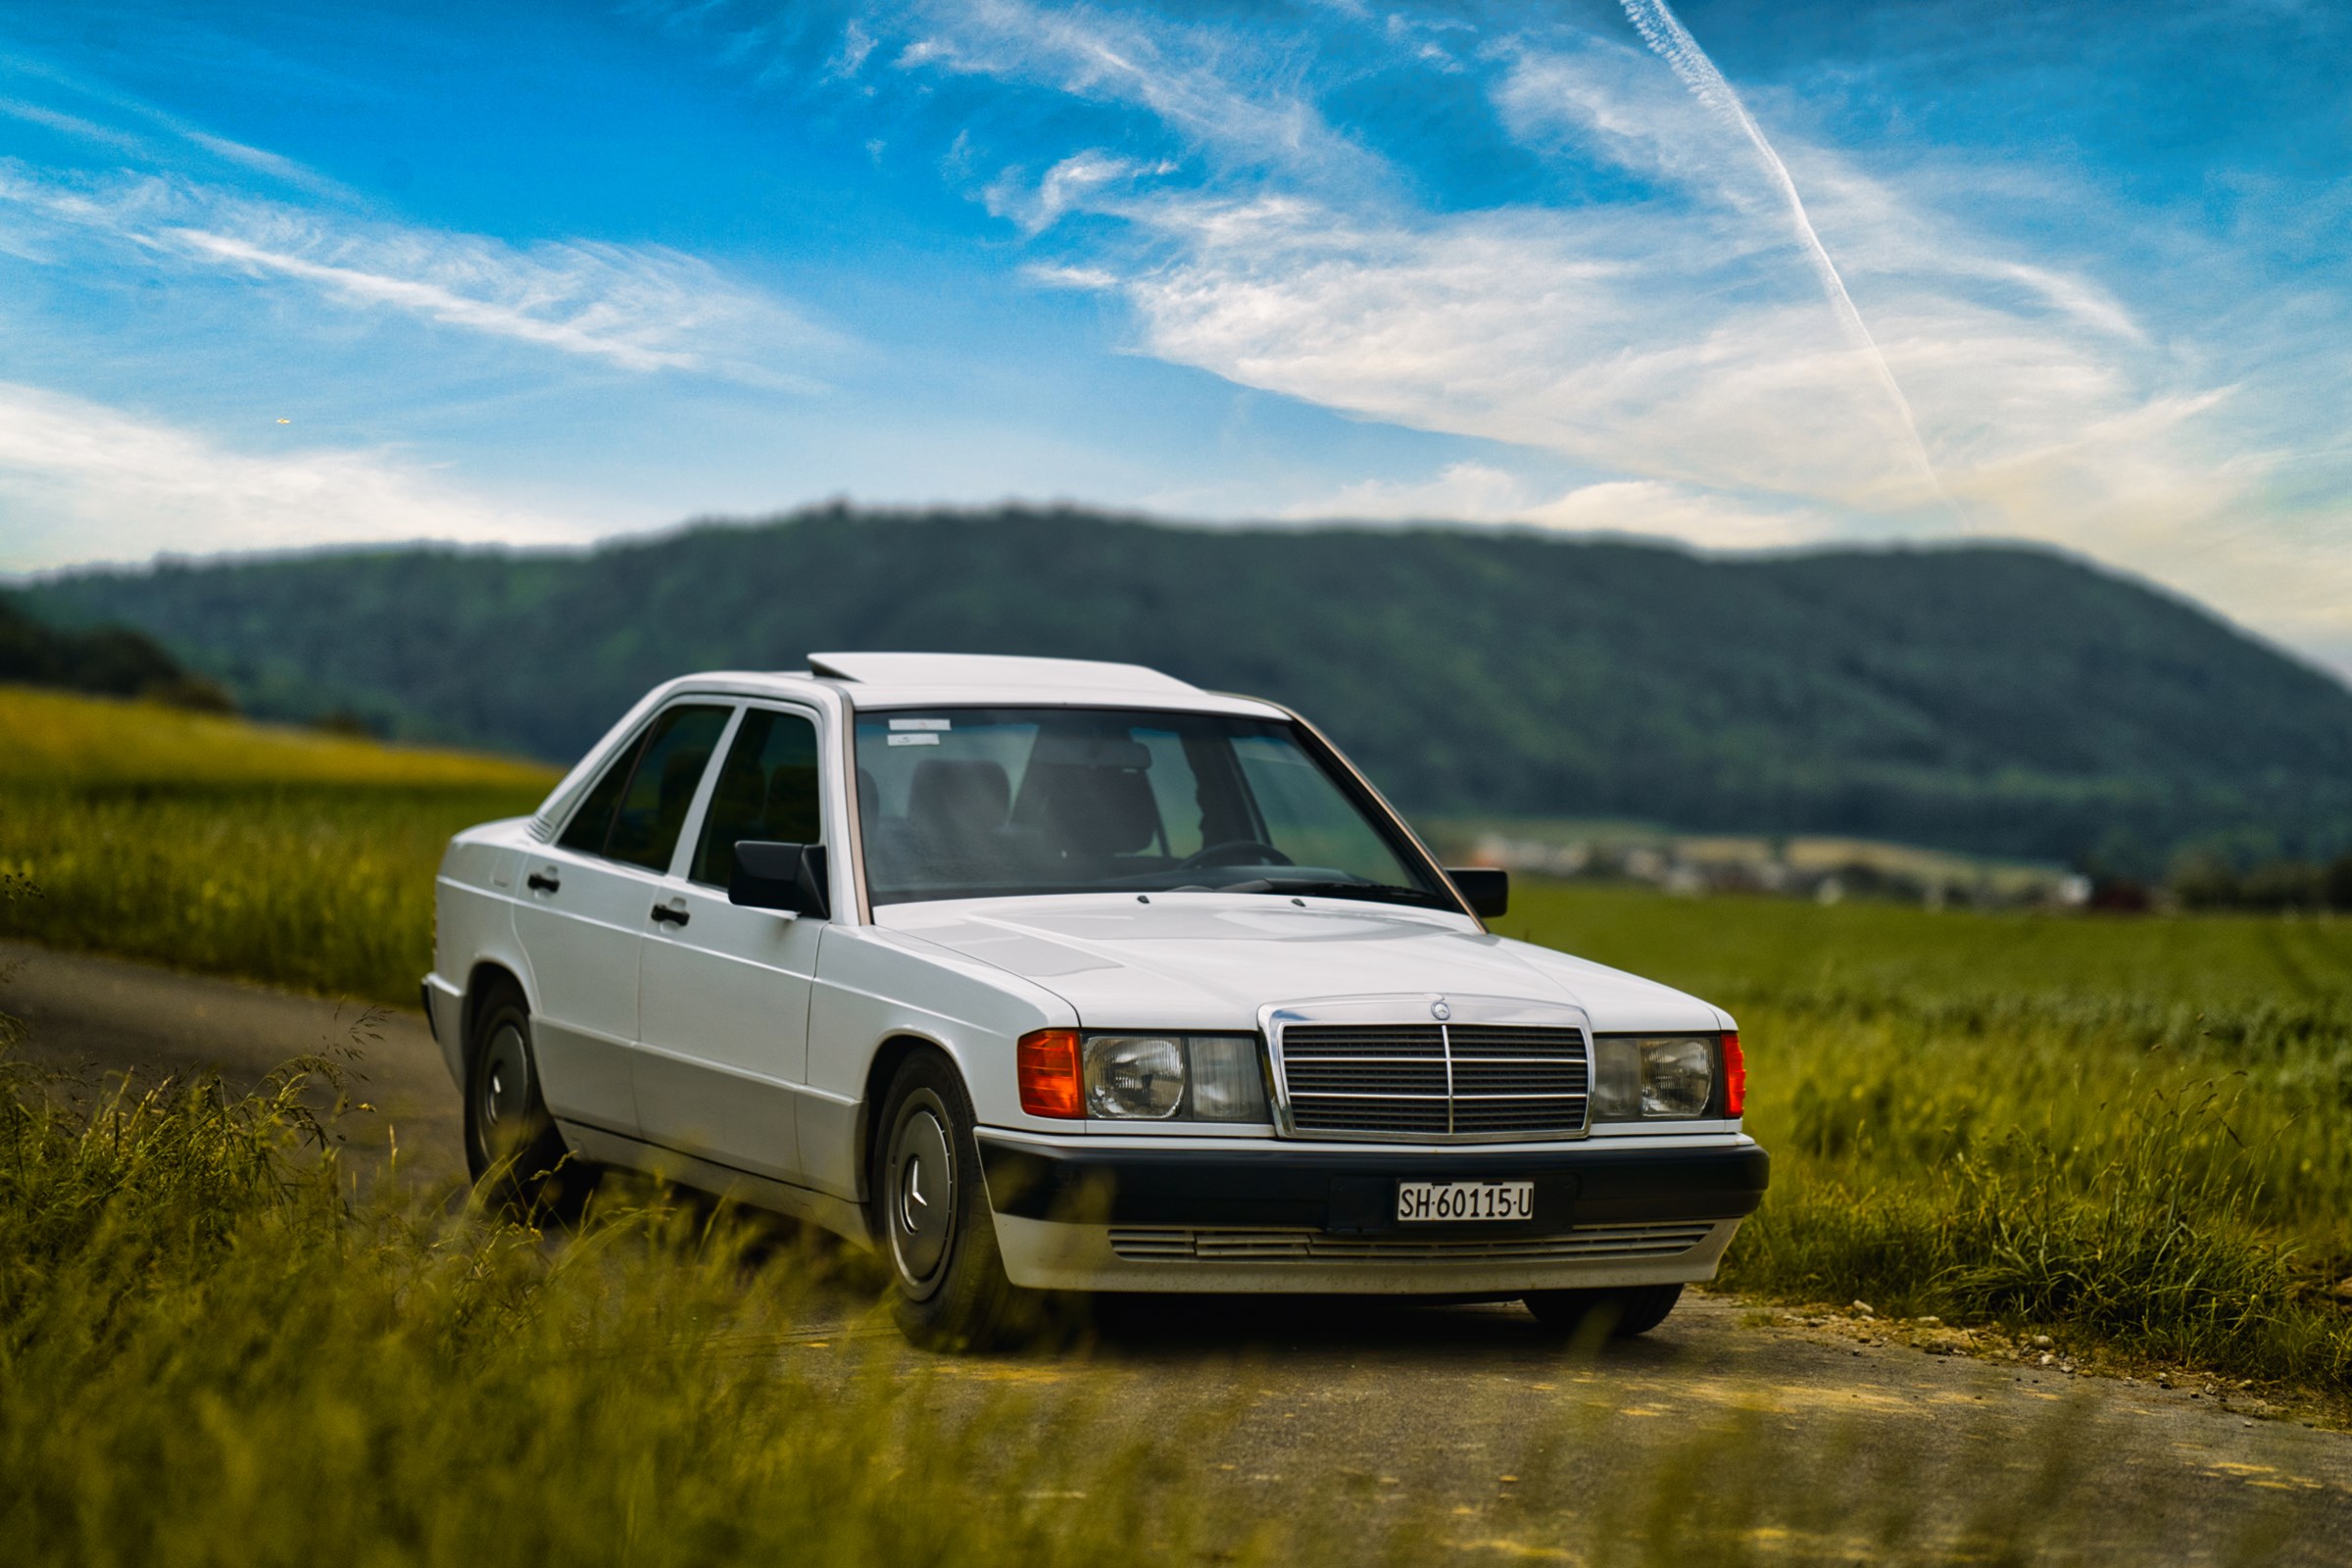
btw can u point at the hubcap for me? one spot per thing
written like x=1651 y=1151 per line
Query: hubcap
x=504 y=1100
x=922 y=1194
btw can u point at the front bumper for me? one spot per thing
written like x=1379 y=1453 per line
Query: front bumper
x=1281 y=1218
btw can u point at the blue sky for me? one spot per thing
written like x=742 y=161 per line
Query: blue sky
x=1746 y=276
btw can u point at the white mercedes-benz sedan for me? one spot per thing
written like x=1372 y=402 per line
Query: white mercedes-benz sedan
x=1043 y=975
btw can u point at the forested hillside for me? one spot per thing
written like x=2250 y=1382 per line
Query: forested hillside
x=1997 y=699
x=108 y=661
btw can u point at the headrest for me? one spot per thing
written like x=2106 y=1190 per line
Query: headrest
x=1095 y=811
x=963 y=794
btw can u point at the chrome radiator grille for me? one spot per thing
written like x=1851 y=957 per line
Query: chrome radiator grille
x=1455 y=1082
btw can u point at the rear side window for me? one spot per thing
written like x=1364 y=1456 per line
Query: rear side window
x=637 y=808
x=767 y=789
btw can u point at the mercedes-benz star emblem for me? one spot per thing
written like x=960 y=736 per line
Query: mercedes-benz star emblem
x=1440 y=1012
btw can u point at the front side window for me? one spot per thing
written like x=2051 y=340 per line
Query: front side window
x=637 y=808
x=975 y=803
x=766 y=789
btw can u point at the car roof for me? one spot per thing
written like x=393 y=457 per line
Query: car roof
x=874 y=680
x=991 y=670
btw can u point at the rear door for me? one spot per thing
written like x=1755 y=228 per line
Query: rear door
x=723 y=1034
x=586 y=903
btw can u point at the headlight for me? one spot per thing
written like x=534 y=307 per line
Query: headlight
x=1676 y=1076
x=1164 y=1077
x=1138 y=1077
x=1652 y=1080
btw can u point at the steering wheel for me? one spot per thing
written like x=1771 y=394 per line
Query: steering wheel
x=1225 y=855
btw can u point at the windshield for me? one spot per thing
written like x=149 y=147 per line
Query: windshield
x=988 y=801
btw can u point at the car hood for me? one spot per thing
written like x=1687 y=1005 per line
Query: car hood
x=1206 y=961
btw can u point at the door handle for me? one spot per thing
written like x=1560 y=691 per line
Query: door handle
x=545 y=882
x=670 y=916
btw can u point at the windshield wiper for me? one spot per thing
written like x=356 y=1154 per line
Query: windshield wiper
x=1369 y=892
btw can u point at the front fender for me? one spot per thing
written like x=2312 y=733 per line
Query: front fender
x=874 y=986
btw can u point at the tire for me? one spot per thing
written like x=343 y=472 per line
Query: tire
x=948 y=1290
x=1635 y=1309
x=512 y=1151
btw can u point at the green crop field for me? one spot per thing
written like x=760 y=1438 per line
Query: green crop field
x=2127 y=1132
x=211 y=1354
x=2133 y=1132
x=303 y=859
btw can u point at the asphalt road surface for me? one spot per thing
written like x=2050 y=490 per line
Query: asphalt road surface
x=1453 y=1411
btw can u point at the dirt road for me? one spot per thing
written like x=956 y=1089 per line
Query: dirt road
x=101 y=1016
x=1449 y=1410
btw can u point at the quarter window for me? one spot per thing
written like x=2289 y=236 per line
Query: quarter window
x=636 y=811
x=767 y=789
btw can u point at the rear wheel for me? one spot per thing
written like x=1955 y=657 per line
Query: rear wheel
x=949 y=1287
x=1619 y=1314
x=513 y=1149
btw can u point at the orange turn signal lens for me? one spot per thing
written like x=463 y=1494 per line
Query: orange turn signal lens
x=1735 y=1075
x=1051 y=1082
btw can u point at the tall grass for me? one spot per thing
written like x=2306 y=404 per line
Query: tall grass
x=213 y=843
x=209 y=1354
x=57 y=736
x=325 y=888
x=206 y=1356
x=2131 y=1132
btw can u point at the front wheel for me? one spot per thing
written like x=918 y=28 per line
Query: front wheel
x=1619 y=1314
x=949 y=1287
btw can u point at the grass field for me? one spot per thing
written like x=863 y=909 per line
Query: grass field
x=210 y=844
x=209 y=1354
x=2131 y=1133
x=67 y=737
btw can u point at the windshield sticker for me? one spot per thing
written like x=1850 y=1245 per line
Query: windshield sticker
x=914 y=740
x=919 y=723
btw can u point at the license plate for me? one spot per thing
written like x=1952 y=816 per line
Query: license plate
x=1430 y=1202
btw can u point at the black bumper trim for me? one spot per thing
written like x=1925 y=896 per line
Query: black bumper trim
x=1352 y=1193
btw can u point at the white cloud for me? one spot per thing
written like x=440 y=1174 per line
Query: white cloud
x=71 y=124
x=98 y=98
x=1219 y=92
x=1090 y=279
x=638 y=308
x=1072 y=182
x=1607 y=102
x=1540 y=329
x=80 y=482
x=1676 y=338
x=1741 y=421
x=1480 y=492
x=1673 y=512
x=1460 y=492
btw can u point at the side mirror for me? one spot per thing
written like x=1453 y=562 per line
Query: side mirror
x=1484 y=889
x=780 y=876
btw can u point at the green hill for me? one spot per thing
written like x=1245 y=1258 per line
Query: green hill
x=108 y=661
x=1997 y=699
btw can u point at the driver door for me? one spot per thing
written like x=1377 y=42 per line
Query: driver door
x=723 y=1056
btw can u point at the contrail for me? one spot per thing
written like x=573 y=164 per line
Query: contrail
x=1665 y=34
